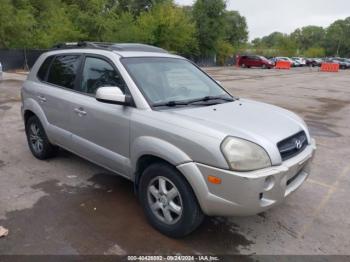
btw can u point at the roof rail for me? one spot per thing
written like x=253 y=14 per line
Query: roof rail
x=69 y=45
x=111 y=46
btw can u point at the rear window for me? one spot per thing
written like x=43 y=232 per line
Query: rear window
x=63 y=70
x=42 y=73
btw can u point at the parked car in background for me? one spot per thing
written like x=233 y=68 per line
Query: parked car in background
x=284 y=58
x=296 y=63
x=300 y=61
x=314 y=62
x=155 y=118
x=255 y=61
x=0 y=71
x=347 y=60
x=343 y=63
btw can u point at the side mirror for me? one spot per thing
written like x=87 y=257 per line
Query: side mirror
x=112 y=95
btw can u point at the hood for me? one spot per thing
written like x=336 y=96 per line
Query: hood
x=260 y=123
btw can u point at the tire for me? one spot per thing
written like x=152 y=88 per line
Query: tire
x=188 y=215
x=38 y=142
x=243 y=65
x=264 y=66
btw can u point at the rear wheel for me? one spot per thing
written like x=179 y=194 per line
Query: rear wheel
x=168 y=201
x=243 y=65
x=38 y=142
x=263 y=66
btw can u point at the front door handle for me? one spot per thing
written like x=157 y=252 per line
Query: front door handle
x=80 y=111
x=41 y=98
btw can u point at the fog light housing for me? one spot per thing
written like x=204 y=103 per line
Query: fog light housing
x=269 y=183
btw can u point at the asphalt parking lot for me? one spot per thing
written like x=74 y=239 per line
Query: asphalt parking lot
x=69 y=206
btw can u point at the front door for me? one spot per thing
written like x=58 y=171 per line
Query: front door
x=101 y=130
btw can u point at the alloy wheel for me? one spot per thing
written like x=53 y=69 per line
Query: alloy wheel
x=35 y=137
x=164 y=200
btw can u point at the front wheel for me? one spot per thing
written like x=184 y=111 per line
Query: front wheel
x=168 y=201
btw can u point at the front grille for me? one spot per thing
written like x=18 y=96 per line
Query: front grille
x=293 y=145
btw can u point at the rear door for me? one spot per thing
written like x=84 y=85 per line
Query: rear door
x=101 y=130
x=55 y=95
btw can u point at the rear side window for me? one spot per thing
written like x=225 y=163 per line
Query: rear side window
x=42 y=73
x=63 y=70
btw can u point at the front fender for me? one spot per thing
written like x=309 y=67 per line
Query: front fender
x=147 y=145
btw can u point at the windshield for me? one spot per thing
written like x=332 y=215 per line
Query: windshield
x=163 y=80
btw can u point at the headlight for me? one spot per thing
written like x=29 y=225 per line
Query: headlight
x=243 y=155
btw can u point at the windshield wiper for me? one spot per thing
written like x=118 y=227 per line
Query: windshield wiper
x=210 y=98
x=171 y=103
x=192 y=101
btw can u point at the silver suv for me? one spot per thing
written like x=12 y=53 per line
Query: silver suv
x=190 y=148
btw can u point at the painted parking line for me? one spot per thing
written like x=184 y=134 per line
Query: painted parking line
x=324 y=201
x=319 y=183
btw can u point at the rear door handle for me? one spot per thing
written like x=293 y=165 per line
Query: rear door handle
x=80 y=111
x=41 y=98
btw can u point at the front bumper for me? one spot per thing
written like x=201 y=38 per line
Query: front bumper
x=247 y=193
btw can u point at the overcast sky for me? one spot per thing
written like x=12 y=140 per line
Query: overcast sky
x=267 y=16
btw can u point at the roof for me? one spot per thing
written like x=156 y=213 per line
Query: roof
x=121 y=49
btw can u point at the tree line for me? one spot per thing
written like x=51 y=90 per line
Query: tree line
x=309 y=41
x=204 y=29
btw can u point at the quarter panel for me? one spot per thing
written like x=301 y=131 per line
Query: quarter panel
x=33 y=106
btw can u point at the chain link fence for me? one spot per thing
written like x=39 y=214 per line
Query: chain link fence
x=12 y=59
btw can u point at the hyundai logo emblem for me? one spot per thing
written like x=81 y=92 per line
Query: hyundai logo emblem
x=298 y=144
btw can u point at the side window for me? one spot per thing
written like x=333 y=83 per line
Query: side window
x=63 y=70
x=98 y=73
x=42 y=73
